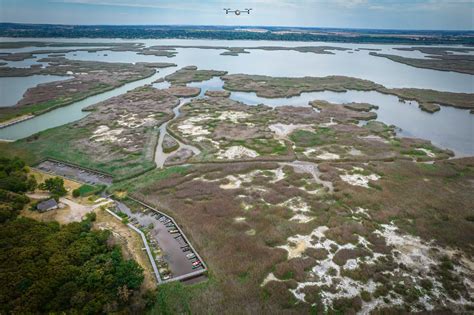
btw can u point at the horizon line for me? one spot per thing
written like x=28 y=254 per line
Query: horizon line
x=252 y=26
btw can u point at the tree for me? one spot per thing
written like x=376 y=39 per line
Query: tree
x=31 y=183
x=55 y=186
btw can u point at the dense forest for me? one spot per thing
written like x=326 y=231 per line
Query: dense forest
x=48 y=268
x=230 y=33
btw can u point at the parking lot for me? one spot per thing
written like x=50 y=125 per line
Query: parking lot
x=174 y=257
x=74 y=172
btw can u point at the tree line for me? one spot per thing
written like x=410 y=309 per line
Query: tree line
x=49 y=268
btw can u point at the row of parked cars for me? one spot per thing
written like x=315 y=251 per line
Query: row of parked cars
x=172 y=229
x=161 y=264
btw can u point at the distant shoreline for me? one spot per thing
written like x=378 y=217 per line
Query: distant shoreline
x=270 y=33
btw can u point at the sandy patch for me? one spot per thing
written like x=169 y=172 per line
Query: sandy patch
x=355 y=152
x=192 y=130
x=251 y=232
x=104 y=133
x=239 y=219
x=301 y=218
x=429 y=153
x=270 y=277
x=283 y=130
x=132 y=121
x=328 y=124
x=233 y=116
x=415 y=255
x=311 y=168
x=356 y=179
x=328 y=156
x=237 y=152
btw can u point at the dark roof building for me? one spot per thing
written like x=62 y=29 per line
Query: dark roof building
x=47 y=205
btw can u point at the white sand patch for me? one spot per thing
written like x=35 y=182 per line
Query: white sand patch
x=278 y=174
x=417 y=257
x=234 y=182
x=309 y=151
x=356 y=179
x=326 y=272
x=251 y=232
x=205 y=139
x=351 y=264
x=199 y=118
x=296 y=204
x=355 y=152
x=101 y=129
x=328 y=156
x=328 y=124
x=105 y=134
x=192 y=130
x=429 y=153
x=297 y=244
x=237 y=152
x=413 y=252
x=283 y=130
x=361 y=211
x=301 y=218
x=311 y=168
x=132 y=121
x=233 y=116
x=246 y=206
x=270 y=277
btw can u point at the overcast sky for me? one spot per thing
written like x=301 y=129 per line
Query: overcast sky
x=387 y=14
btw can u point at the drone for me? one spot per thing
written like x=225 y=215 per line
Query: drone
x=237 y=12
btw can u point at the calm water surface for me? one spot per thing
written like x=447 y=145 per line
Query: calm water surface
x=450 y=128
x=12 y=89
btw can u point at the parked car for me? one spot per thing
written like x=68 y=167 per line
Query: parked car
x=190 y=256
x=197 y=266
x=197 y=262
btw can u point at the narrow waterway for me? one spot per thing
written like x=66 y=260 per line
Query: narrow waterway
x=73 y=112
x=160 y=155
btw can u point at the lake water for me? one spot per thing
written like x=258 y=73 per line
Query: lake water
x=12 y=89
x=438 y=127
x=359 y=64
x=73 y=112
x=412 y=122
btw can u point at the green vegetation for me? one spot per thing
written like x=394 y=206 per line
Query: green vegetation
x=304 y=138
x=14 y=181
x=87 y=190
x=191 y=74
x=150 y=177
x=456 y=63
x=226 y=33
x=266 y=86
x=55 y=186
x=48 y=268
